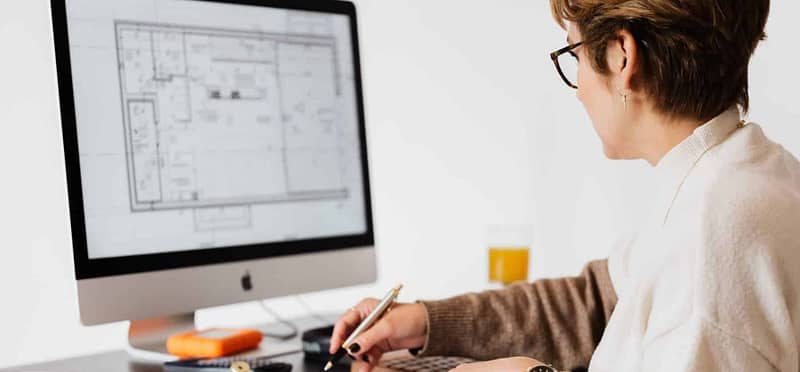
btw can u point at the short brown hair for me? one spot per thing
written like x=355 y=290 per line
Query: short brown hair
x=694 y=53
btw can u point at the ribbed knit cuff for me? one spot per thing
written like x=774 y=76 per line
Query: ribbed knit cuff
x=450 y=327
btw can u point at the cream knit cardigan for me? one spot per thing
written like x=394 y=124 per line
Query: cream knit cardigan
x=711 y=282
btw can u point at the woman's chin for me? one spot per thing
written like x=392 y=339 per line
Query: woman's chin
x=611 y=153
x=614 y=153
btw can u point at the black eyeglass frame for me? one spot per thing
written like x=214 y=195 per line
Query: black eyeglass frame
x=554 y=56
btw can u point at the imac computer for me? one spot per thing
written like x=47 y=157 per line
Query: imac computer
x=215 y=153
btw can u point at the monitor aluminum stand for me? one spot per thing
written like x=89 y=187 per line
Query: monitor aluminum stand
x=147 y=339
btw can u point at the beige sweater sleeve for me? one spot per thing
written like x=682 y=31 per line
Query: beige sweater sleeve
x=558 y=321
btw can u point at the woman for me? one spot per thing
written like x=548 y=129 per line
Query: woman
x=711 y=281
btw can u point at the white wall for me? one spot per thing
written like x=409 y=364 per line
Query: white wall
x=468 y=126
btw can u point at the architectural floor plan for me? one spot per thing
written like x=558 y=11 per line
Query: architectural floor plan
x=225 y=119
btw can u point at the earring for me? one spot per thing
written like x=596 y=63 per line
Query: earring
x=624 y=100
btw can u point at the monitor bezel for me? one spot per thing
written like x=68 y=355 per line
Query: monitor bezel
x=86 y=268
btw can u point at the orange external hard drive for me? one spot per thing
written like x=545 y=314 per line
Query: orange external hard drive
x=213 y=343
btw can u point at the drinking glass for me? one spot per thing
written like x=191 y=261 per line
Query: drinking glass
x=509 y=247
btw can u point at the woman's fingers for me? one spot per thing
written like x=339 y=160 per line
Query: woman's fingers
x=346 y=323
x=370 y=359
x=349 y=321
x=381 y=331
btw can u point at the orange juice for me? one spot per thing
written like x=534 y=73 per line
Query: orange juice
x=508 y=264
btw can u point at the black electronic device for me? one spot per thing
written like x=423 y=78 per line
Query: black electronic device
x=317 y=342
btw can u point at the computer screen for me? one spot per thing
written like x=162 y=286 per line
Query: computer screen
x=206 y=131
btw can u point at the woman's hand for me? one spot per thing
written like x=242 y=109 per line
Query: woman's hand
x=404 y=326
x=516 y=364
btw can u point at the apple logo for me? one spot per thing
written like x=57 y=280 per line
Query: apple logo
x=247 y=283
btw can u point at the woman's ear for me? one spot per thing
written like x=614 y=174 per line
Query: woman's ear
x=623 y=60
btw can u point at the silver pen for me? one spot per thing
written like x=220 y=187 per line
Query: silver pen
x=373 y=316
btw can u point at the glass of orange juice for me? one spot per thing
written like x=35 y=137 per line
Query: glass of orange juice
x=508 y=253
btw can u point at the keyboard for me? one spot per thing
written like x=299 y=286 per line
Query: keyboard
x=424 y=364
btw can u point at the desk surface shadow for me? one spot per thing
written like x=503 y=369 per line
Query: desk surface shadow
x=119 y=361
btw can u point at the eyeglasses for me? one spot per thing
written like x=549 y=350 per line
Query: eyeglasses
x=566 y=62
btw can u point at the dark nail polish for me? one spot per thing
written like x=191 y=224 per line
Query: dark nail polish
x=354 y=348
x=365 y=357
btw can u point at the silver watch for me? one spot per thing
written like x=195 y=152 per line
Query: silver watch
x=542 y=368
